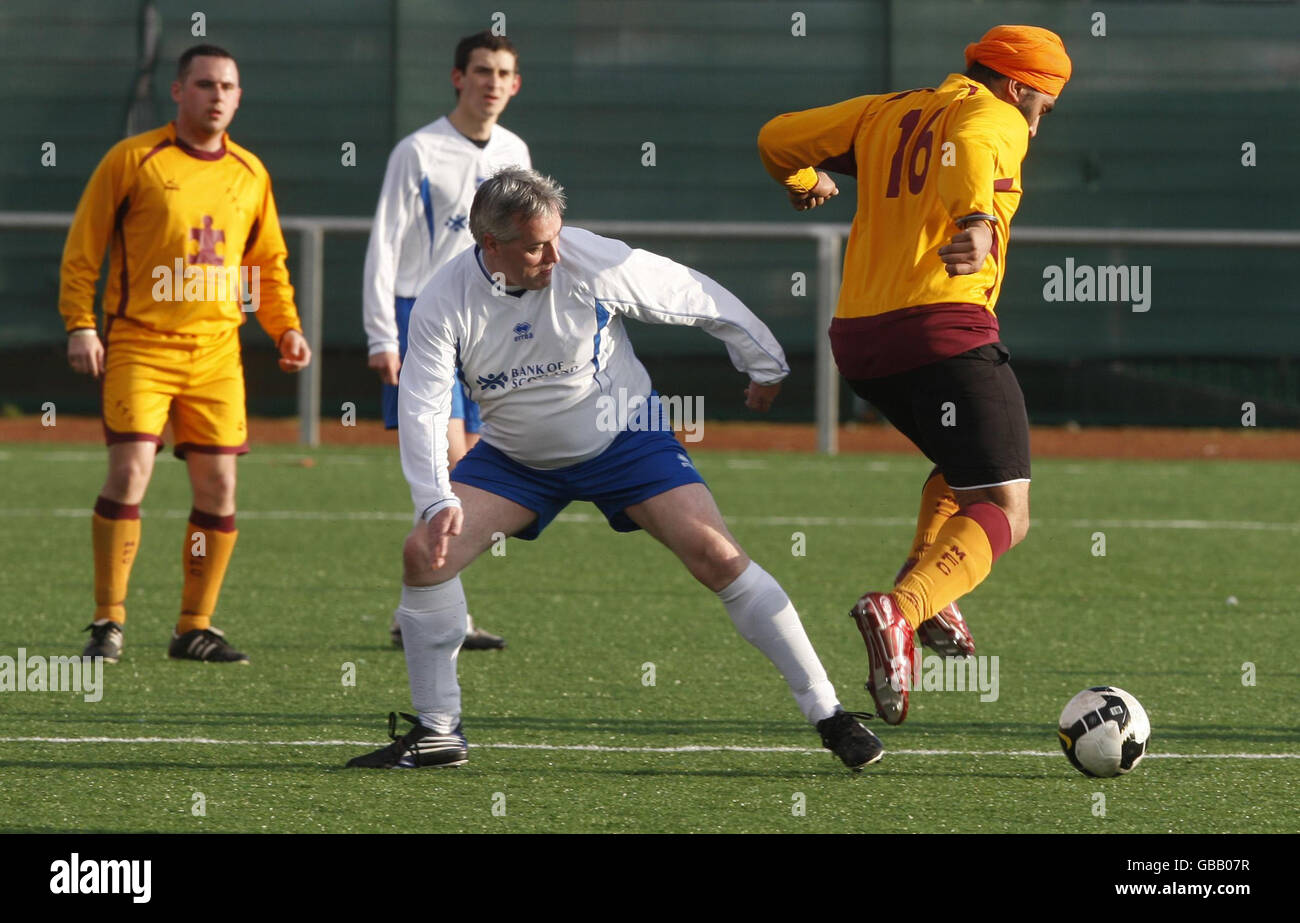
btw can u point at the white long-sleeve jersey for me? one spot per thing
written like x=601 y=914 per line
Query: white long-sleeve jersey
x=422 y=219
x=538 y=362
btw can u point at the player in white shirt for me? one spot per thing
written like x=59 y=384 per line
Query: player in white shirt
x=532 y=319
x=422 y=221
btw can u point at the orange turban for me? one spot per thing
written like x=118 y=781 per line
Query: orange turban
x=1036 y=57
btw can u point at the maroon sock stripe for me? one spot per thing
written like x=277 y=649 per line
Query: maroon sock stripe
x=212 y=520
x=111 y=509
x=994 y=522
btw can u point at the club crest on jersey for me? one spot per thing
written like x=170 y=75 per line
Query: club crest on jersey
x=208 y=238
x=492 y=382
x=523 y=331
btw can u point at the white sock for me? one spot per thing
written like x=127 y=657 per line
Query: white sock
x=432 y=619
x=766 y=618
x=469 y=623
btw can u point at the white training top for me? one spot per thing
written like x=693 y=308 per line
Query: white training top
x=538 y=362
x=422 y=220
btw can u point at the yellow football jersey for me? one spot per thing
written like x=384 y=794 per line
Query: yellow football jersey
x=924 y=159
x=194 y=235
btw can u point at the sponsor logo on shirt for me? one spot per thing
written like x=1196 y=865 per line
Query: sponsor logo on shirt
x=456 y=223
x=523 y=331
x=526 y=374
x=535 y=371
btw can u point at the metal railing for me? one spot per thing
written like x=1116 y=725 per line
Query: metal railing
x=829 y=239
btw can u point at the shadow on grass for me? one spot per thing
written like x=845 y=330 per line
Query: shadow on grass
x=133 y=721
x=1224 y=736
x=630 y=732
x=116 y=765
x=832 y=770
x=492 y=766
x=742 y=730
x=1221 y=735
x=65 y=831
x=616 y=730
x=1091 y=675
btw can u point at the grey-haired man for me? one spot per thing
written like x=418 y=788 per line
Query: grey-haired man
x=546 y=442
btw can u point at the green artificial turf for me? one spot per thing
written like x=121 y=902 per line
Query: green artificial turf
x=567 y=734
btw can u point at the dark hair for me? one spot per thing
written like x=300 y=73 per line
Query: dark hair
x=199 y=51
x=983 y=74
x=484 y=39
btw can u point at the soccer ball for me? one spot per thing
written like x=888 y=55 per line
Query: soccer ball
x=1104 y=732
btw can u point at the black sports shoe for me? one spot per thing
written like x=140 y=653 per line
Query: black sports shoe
x=206 y=644
x=105 y=640
x=418 y=747
x=849 y=740
x=476 y=639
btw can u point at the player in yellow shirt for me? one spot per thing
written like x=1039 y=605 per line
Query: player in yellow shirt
x=194 y=245
x=915 y=330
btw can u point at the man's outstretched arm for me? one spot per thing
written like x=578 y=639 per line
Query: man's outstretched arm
x=423 y=409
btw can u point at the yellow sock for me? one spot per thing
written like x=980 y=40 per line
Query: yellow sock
x=209 y=543
x=938 y=505
x=115 y=537
x=960 y=558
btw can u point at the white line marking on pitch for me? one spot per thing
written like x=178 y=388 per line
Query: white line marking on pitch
x=848 y=521
x=598 y=748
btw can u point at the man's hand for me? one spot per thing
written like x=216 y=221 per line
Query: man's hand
x=760 y=397
x=445 y=523
x=295 y=354
x=817 y=195
x=968 y=249
x=388 y=365
x=86 y=353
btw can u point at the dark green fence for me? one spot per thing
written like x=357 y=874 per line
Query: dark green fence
x=1149 y=133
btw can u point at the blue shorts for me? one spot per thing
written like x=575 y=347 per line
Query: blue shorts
x=635 y=467
x=462 y=408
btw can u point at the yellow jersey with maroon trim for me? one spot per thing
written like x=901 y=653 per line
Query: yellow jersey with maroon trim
x=927 y=161
x=194 y=238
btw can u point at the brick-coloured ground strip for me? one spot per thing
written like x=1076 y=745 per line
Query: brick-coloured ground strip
x=1046 y=442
